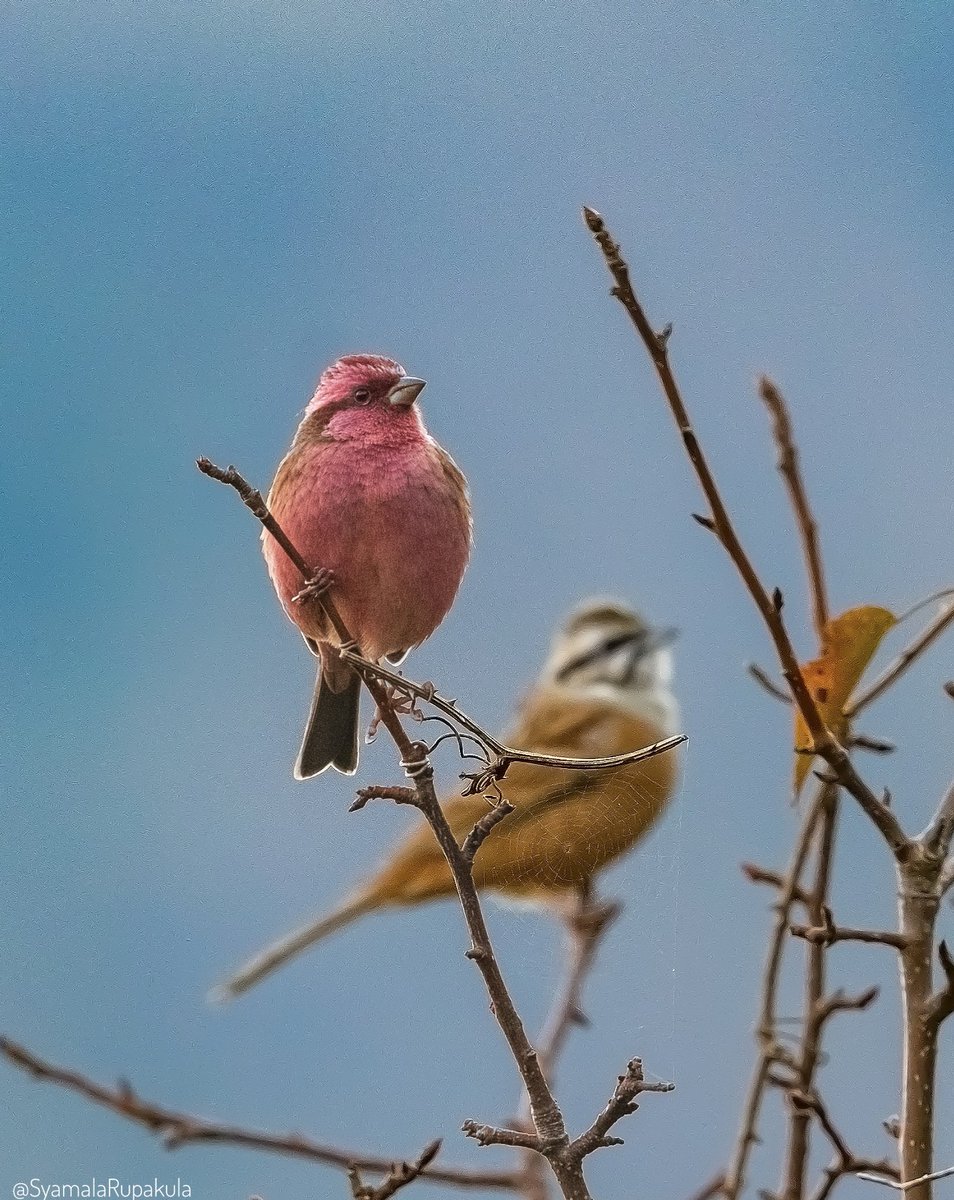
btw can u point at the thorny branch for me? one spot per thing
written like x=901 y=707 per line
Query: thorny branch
x=504 y=756
x=177 y=1129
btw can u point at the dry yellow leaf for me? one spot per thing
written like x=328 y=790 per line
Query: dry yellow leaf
x=849 y=642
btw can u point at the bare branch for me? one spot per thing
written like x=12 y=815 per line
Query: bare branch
x=504 y=756
x=910 y=1183
x=896 y=669
x=757 y=874
x=484 y=827
x=808 y=1056
x=550 y=1128
x=253 y=500
x=621 y=1103
x=397 y=795
x=791 y=892
x=861 y=741
x=804 y=518
x=586 y=928
x=762 y=677
x=842 y=1001
x=846 y=1162
x=400 y=1175
x=182 y=1129
x=488 y=1135
x=937 y=838
x=828 y=933
x=715 y=1187
x=586 y=925
x=825 y=743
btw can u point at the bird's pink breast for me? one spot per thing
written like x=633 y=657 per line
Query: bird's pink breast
x=389 y=520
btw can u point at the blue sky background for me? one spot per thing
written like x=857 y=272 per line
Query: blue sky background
x=202 y=205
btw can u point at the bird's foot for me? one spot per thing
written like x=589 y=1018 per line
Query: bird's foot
x=315 y=587
x=401 y=703
x=407 y=704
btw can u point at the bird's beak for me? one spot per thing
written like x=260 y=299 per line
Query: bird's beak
x=406 y=391
x=658 y=639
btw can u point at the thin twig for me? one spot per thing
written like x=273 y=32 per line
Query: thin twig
x=764 y=680
x=862 y=741
x=804 y=518
x=586 y=925
x=483 y=829
x=586 y=928
x=790 y=893
x=829 y=933
x=715 y=1187
x=896 y=669
x=623 y=1101
x=910 y=1183
x=939 y=834
x=182 y=1129
x=400 y=1175
x=816 y=1009
x=846 y=1162
x=758 y=874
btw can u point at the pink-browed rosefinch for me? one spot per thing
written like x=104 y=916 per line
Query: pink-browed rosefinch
x=366 y=493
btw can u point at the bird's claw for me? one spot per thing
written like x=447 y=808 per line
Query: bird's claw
x=315 y=587
x=404 y=703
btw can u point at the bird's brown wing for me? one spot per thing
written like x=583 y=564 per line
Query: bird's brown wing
x=567 y=825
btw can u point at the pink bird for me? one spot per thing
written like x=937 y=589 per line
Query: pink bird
x=367 y=493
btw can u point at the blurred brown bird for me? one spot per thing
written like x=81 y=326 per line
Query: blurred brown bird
x=604 y=690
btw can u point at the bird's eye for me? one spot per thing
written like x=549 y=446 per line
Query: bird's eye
x=362 y=395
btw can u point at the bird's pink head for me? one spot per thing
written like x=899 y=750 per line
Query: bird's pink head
x=359 y=385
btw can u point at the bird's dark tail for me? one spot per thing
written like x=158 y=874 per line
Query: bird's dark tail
x=331 y=735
